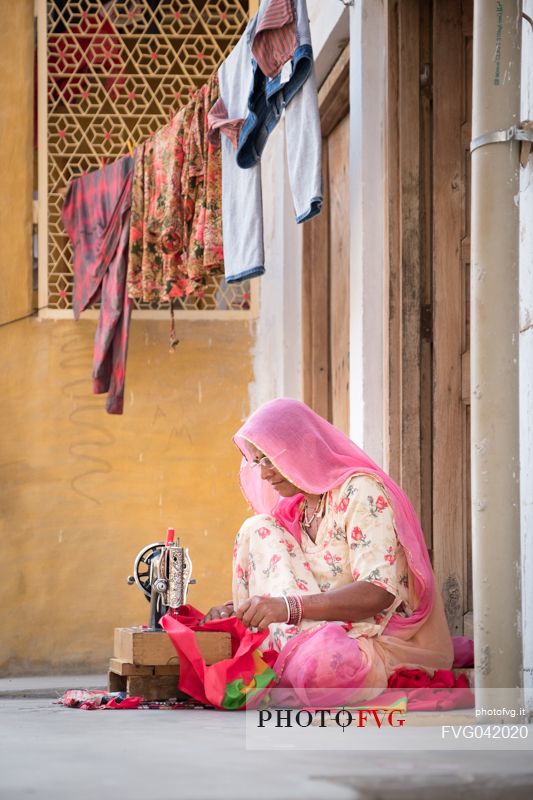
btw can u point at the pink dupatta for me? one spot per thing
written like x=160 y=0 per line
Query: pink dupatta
x=316 y=457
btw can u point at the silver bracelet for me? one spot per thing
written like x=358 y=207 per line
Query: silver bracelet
x=288 y=608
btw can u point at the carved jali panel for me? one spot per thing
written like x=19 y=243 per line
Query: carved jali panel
x=116 y=72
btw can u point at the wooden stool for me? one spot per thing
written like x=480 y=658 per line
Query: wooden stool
x=145 y=664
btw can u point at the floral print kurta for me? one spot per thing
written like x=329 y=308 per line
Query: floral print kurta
x=356 y=541
x=176 y=217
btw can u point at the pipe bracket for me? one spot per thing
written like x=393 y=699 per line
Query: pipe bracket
x=514 y=133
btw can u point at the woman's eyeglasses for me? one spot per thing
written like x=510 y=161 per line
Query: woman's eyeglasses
x=263 y=462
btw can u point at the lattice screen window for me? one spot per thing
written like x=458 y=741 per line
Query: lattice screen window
x=112 y=73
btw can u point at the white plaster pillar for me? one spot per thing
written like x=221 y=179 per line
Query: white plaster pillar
x=494 y=352
x=526 y=362
x=368 y=81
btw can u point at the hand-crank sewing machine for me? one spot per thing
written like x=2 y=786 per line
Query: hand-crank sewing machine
x=145 y=663
x=162 y=571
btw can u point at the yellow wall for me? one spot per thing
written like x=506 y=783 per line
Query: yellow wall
x=16 y=156
x=83 y=491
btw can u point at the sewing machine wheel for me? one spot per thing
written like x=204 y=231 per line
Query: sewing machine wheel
x=141 y=567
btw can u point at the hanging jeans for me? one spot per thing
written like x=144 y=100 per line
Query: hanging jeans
x=250 y=95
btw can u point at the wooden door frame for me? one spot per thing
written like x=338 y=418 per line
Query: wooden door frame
x=334 y=104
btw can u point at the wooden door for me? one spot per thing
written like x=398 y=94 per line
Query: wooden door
x=452 y=112
x=326 y=240
x=429 y=114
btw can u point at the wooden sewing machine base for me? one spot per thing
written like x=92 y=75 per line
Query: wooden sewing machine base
x=145 y=664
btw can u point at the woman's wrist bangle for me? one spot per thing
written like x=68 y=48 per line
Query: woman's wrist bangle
x=288 y=608
x=296 y=609
x=301 y=604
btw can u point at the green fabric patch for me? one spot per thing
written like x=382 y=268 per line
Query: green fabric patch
x=235 y=697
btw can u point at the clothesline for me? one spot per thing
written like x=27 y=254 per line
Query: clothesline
x=187 y=203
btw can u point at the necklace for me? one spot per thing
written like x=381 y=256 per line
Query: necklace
x=308 y=521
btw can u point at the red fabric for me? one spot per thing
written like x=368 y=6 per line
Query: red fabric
x=418 y=678
x=208 y=683
x=128 y=702
x=438 y=692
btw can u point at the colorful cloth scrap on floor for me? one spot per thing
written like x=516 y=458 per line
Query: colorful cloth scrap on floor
x=96 y=699
x=91 y=699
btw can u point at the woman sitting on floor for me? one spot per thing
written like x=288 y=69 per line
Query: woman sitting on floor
x=334 y=563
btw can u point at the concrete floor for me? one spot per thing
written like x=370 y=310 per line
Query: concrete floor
x=53 y=753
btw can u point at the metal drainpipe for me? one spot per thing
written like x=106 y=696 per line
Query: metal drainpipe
x=494 y=353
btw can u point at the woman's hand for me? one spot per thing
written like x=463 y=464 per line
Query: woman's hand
x=218 y=612
x=260 y=612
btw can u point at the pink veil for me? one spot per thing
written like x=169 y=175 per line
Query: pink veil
x=316 y=457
